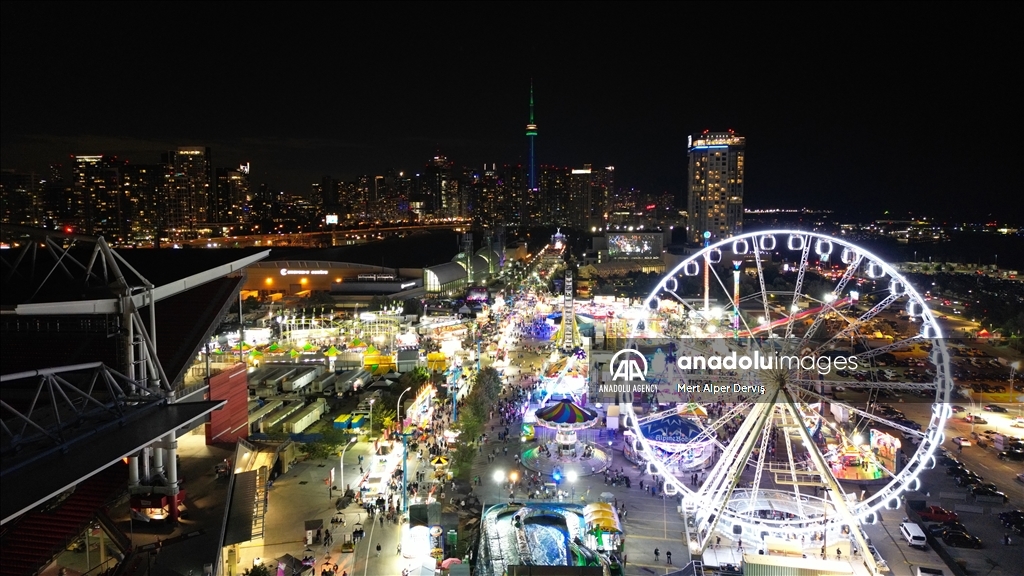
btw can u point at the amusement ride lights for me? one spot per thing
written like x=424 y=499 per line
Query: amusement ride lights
x=856 y=260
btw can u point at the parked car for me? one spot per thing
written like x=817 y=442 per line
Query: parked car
x=969 y=479
x=958 y=469
x=941 y=528
x=1012 y=517
x=961 y=540
x=988 y=490
x=937 y=514
x=995 y=408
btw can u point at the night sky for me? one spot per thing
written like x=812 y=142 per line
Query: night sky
x=865 y=107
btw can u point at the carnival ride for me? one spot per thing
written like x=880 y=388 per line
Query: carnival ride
x=679 y=437
x=566 y=453
x=546 y=535
x=566 y=376
x=780 y=415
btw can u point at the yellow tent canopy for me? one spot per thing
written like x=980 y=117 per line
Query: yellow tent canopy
x=437 y=362
x=602 y=516
x=379 y=363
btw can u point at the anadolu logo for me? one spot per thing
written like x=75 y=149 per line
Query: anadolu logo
x=628 y=365
x=284 y=271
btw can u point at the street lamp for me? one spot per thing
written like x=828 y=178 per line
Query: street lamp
x=341 y=461
x=512 y=477
x=398 y=407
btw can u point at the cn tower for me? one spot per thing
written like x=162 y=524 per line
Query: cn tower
x=531 y=133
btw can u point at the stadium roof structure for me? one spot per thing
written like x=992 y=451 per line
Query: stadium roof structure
x=447 y=272
x=83 y=376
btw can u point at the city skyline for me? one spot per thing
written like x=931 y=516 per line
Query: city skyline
x=889 y=120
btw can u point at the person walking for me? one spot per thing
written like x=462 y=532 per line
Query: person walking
x=657 y=554
x=668 y=556
x=378 y=549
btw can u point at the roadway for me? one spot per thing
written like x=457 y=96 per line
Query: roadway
x=316 y=239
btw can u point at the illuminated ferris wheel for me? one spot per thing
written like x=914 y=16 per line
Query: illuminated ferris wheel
x=780 y=351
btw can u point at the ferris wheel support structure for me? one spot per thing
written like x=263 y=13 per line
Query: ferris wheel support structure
x=838 y=501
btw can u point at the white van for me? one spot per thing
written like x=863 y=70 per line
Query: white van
x=914 y=536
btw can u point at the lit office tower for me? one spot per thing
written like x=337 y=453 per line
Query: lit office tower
x=715 y=186
x=187 y=190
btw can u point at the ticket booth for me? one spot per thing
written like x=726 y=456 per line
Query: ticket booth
x=312 y=527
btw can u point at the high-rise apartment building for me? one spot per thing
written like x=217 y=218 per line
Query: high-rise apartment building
x=485 y=203
x=103 y=208
x=140 y=183
x=233 y=194
x=512 y=194
x=715 y=185
x=588 y=195
x=21 y=198
x=441 y=187
x=188 y=202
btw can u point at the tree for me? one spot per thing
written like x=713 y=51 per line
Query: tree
x=331 y=439
x=321 y=298
x=488 y=382
x=464 y=456
x=382 y=418
x=378 y=303
x=412 y=306
x=250 y=304
x=414 y=379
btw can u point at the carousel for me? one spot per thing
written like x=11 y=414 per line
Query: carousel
x=565 y=452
